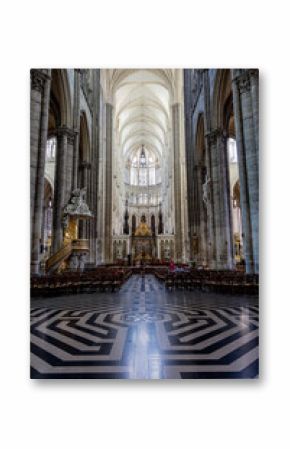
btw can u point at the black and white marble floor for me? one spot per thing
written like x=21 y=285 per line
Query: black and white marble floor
x=144 y=332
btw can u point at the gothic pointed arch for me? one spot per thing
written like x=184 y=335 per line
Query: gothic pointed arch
x=224 y=122
x=221 y=95
x=84 y=155
x=84 y=136
x=60 y=99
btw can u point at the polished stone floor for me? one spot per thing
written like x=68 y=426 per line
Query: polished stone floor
x=144 y=332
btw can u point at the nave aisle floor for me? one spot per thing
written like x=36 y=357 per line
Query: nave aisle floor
x=144 y=332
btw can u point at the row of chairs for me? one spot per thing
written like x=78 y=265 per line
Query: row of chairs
x=91 y=281
x=211 y=280
x=161 y=273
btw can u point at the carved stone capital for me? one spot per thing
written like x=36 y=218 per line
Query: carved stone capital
x=65 y=131
x=37 y=80
x=254 y=73
x=243 y=82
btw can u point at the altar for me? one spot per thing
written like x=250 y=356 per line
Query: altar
x=143 y=244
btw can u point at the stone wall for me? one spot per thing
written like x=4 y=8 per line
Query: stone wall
x=207 y=95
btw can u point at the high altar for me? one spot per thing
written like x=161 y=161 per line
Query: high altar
x=143 y=244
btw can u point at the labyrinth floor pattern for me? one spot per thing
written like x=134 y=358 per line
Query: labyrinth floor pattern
x=144 y=332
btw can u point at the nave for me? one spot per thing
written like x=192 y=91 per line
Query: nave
x=144 y=332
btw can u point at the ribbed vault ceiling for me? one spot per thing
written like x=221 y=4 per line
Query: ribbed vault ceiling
x=142 y=108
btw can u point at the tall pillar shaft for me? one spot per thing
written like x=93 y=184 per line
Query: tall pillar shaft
x=40 y=93
x=220 y=199
x=59 y=188
x=210 y=217
x=71 y=136
x=93 y=173
x=254 y=82
x=37 y=84
x=108 y=205
x=195 y=231
x=202 y=251
x=190 y=174
x=84 y=226
x=76 y=126
x=177 y=182
x=245 y=95
x=86 y=175
x=211 y=232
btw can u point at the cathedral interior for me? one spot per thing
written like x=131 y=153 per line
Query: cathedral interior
x=144 y=196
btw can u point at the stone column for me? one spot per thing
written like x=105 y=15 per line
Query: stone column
x=245 y=96
x=84 y=226
x=254 y=175
x=37 y=82
x=220 y=200
x=194 y=235
x=177 y=181
x=190 y=179
x=90 y=225
x=76 y=127
x=59 y=187
x=254 y=81
x=209 y=215
x=86 y=168
x=43 y=223
x=40 y=94
x=69 y=165
x=93 y=173
x=211 y=234
x=202 y=253
x=109 y=180
x=188 y=108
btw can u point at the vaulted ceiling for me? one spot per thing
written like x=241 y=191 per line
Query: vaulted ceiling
x=142 y=99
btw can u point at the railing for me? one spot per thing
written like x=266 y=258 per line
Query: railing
x=60 y=255
x=64 y=252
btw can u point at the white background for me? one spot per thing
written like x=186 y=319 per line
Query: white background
x=159 y=414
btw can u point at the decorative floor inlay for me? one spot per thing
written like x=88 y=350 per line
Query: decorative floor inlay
x=135 y=317
x=145 y=332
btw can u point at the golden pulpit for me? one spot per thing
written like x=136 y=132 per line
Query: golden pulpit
x=73 y=253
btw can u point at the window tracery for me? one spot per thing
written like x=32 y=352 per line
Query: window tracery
x=51 y=148
x=143 y=168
